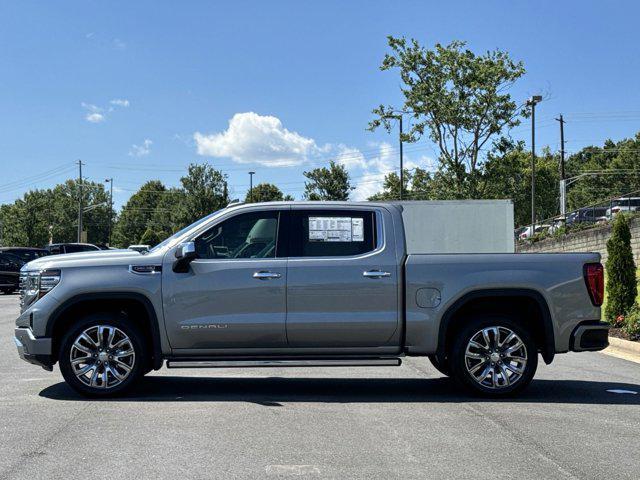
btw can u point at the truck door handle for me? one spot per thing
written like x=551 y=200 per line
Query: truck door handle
x=375 y=274
x=262 y=275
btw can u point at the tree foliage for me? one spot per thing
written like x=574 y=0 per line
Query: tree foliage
x=328 y=183
x=621 y=158
x=459 y=99
x=205 y=191
x=266 y=192
x=137 y=214
x=621 y=271
x=53 y=213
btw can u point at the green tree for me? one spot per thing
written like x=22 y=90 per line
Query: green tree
x=459 y=99
x=328 y=183
x=166 y=217
x=205 y=191
x=266 y=192
x=507 y=174
x=137 y=214
x=41 y=214
x=621 y=271
x=150 y=237
x=622 y=161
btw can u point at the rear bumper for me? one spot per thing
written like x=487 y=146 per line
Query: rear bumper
x=590 y=337
x=33 y=350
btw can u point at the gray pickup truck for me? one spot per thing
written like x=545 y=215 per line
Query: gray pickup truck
x=305 y=284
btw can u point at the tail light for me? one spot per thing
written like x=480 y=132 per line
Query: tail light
x=594 y=278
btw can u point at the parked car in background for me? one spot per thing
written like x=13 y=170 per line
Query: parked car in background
x=26 y=254
x=623 y=204
x=587 y=214
x=59 y=248
x=539 y=229
x=10 y=266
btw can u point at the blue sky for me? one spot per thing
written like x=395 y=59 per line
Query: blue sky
x=139 y=90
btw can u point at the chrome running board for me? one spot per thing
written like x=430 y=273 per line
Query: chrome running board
x=342 y=362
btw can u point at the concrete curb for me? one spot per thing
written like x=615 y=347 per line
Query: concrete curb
x=623 y=349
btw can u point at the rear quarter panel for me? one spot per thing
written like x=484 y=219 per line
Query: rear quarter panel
x=558 y=278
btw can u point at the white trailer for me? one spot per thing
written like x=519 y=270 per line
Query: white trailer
x=458 y=226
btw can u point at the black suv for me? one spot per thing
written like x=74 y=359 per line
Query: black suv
x=26 y=254
x=10 y=266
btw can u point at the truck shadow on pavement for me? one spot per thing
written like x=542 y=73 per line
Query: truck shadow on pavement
x=273 y=391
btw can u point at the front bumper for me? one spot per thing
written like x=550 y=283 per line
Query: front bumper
x=590 y=337
x=33 y=350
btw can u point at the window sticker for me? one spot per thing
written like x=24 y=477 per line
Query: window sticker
x=336 y=229
x=357 y=229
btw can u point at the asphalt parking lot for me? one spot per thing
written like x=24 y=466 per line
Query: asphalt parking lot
x=373 y=423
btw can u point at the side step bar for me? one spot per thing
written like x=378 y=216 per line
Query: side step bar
x=343 y=362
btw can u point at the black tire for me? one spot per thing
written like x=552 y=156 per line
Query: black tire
x=138 y=365
x=8 y=291
x=458 y=362
x=443 y=368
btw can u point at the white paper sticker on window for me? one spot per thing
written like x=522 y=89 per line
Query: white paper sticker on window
x=357 y=229
x=336 y=229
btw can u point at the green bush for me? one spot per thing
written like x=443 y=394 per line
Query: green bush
x=621 y=271
x=632 y=323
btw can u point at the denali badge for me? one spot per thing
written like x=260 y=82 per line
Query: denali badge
x=207 y=326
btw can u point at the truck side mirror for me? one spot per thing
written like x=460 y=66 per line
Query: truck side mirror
x=184 y=254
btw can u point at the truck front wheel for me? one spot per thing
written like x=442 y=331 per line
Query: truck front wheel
x=494 y=356
x=102 y=355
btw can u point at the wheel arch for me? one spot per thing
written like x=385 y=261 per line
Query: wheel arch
x=108 y=301
x=479 y=300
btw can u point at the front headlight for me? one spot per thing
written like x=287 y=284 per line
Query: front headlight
x=48 y=279
x=36 y=284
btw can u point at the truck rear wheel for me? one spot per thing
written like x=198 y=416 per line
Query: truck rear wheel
x=102 y=355
x=494 y=356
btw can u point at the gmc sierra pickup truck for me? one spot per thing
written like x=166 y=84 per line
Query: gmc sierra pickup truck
x=306 y=284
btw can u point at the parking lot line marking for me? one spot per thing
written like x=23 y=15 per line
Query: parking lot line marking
x=628 y=392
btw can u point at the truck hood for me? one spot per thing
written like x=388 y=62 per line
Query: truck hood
x=87 y=259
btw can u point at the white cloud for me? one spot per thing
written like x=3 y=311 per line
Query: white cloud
x=119 y=44
x=141 y=150
x=94 y=117
x=253 y=138
x=120 y=102
x=96 y=114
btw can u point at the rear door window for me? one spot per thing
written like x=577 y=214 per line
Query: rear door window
x=331 y=233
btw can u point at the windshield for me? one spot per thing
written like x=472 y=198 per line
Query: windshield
x=168 y=240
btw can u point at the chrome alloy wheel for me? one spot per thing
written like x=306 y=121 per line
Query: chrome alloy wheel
x=102 y=356
x=496 y=357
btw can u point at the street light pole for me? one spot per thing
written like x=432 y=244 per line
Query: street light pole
x=110 y=182
x=401 y=159
x=535 y=99
x=251 y=174
x=80 y=202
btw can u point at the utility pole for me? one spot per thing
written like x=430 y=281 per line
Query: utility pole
x=562 y=122
x=532 y=102
x=80 y=201
x=251 y=174
x=110 y=182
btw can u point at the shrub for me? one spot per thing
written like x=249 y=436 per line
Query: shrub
x=632 y=323
x=621 y=271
